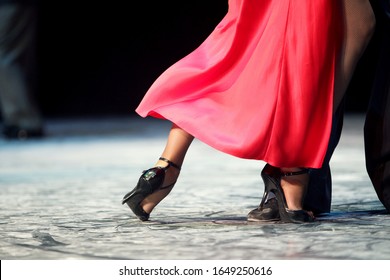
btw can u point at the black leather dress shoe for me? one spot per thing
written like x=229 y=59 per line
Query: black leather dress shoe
x=269 y=212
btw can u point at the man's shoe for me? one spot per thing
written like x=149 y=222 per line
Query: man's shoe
x=268 y=213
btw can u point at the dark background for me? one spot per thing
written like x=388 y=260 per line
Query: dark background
x=99 y=59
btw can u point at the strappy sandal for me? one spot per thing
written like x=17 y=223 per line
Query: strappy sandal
x=272 y=177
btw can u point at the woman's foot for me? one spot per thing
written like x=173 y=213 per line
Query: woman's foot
x=153 y=185
x=295 y=189
x=171 y=175
x=294 y=182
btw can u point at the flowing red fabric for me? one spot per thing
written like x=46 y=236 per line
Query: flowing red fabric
x=261 y=85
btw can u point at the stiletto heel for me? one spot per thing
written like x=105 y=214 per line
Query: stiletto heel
x=150 y=182
x=272 y=180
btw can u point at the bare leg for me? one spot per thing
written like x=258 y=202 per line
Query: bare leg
x=175 y=150
x=359 y=24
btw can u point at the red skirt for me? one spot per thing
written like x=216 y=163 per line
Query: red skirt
x=261 y=85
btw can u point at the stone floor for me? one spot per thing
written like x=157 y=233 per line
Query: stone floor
x=60 y=199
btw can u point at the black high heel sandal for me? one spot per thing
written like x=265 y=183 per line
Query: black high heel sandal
x=150 y=181
x=272 y=177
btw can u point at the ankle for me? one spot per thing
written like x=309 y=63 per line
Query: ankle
x=294 y=187
x=161 y=163
x=171 y=175
x=172 y=172
x=151 y=201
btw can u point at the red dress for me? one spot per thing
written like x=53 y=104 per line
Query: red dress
x=261 y=85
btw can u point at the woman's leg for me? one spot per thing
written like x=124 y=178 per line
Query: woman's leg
x=294 y=188
x=359 y=25
x=175 y=150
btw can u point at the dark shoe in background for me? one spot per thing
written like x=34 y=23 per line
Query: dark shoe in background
x=19 y=133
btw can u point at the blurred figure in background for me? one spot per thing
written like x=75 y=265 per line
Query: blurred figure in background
x=20 y=115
